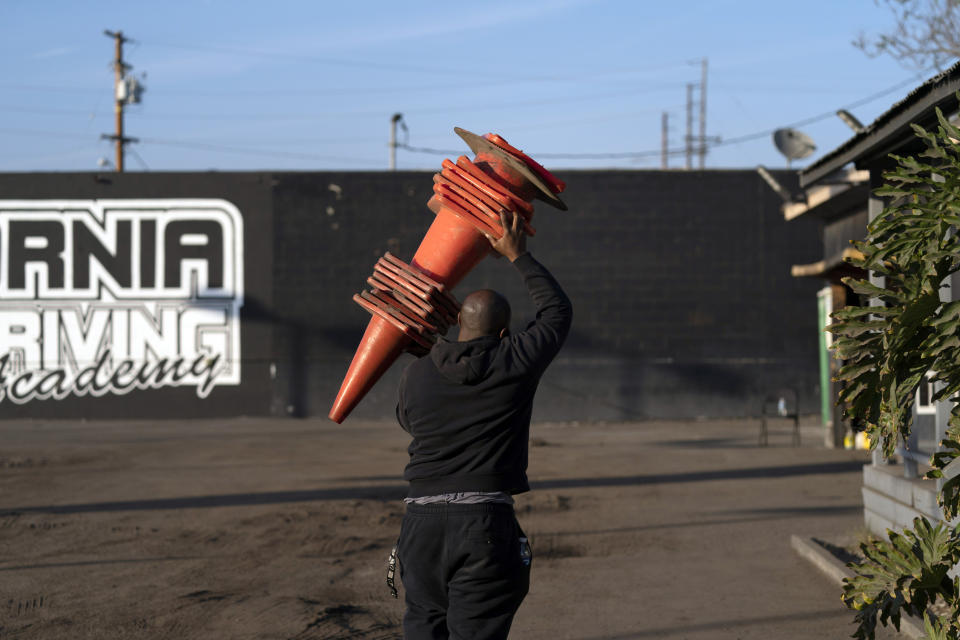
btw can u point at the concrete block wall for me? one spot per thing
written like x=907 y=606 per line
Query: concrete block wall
x=251 y=194
x=891 y=501
x=684 y=303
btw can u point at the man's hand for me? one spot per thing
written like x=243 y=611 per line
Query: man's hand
x=513 y=243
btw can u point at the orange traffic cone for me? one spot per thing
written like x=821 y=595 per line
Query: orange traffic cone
x=466 y=195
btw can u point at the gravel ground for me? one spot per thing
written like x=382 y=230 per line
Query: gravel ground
x=260 y=528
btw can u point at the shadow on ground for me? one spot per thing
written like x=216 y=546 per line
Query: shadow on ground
x=397 y=491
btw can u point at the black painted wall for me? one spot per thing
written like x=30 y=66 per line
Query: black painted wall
x=251 y=194
x=684 y=303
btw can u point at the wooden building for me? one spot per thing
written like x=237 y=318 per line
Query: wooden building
x=838 y=190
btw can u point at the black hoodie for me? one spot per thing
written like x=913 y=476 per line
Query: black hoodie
x=468 y=404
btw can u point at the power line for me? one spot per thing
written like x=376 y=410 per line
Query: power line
x=193 y=145
x=51 y=134
x=723 y=87
x=823 y=116
x=581 y=156
x=136 y=155
x=81 y=136
x=324 y=92
x=473 y=107
x=386 y=66
x=498 y=80
x=252 y=151
x=44 y=111
x=460 y=108
x=723 y=142
x=49 y=88
x=526 y=126
x=245 y=150
x=20 y=161
x=407 y=88
x=390 y=66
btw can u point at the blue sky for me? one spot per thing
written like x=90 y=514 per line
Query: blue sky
x=311 y=85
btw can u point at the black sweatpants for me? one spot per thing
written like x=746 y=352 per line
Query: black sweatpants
x=463 y=573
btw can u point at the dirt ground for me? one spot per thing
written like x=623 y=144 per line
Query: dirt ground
x=258 y=528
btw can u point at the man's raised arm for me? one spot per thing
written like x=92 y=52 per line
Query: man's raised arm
x=537 y=345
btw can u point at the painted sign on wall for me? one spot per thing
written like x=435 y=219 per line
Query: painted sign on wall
x=106 y=296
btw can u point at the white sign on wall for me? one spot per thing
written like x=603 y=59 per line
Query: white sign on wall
x=106 y=296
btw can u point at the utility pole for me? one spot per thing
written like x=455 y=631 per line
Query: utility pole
x=664 y=139
x=120 y=95
x=703 y=112
x=693 y=144
x=396 y=119
x=689 y=139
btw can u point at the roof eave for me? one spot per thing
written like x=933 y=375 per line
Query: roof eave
x=834 y=265
x=876 y=143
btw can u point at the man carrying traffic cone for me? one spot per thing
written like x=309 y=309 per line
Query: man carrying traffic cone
x=464 y=561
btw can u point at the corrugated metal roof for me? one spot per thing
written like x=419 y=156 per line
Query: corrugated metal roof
x=918 y=104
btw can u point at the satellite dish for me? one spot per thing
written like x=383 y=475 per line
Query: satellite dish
x=794 y=144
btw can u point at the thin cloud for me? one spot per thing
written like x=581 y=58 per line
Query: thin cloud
x=250 y=56
x=419 y=26
x=449 y=23
x=52 y=53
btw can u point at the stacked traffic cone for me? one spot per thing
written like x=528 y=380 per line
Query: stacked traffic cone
x=415 y=304
x=409 y=301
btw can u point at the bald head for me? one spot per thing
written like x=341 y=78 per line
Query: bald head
x=484 y=313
